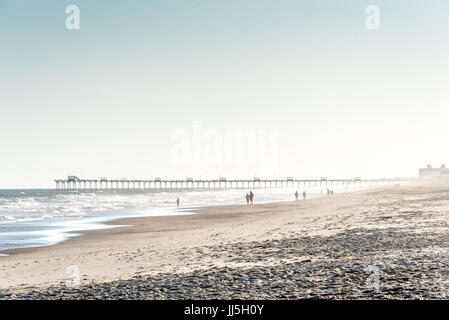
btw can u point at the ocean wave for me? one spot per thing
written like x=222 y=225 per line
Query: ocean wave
x=7 y=218
x=28 y=205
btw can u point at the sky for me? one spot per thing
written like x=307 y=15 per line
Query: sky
x=209 y=89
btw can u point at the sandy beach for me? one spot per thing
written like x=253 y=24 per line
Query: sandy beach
x=383 y=243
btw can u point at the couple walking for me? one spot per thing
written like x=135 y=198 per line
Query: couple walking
x=249 y=197
x=303 y=195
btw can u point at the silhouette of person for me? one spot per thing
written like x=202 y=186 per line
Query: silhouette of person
x=177 y=203
x=296 y=194
x=247 y=198
x=304 y=195
x=251 y=196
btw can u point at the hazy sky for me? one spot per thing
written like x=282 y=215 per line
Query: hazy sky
x=150 y=89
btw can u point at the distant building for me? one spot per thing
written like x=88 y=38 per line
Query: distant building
x=430 y=172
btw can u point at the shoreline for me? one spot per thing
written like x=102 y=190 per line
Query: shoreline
x=47 y=235
x=205 y=225
x=237 y=251
x=130 y=222
x=114 y=222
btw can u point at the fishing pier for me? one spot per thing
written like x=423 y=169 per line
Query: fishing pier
x=75 y=183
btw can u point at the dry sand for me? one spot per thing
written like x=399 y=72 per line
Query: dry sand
x=384 y=243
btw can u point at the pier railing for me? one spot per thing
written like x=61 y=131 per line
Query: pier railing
x=74 y=183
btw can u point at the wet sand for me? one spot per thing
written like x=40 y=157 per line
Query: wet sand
x=384 y=243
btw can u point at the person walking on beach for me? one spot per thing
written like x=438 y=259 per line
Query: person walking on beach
x=251 y=197
x=177 y=203
x=304 y=195
x=247 y=198
x=296 y=194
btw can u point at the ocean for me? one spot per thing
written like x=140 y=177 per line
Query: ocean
x=30 y=218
